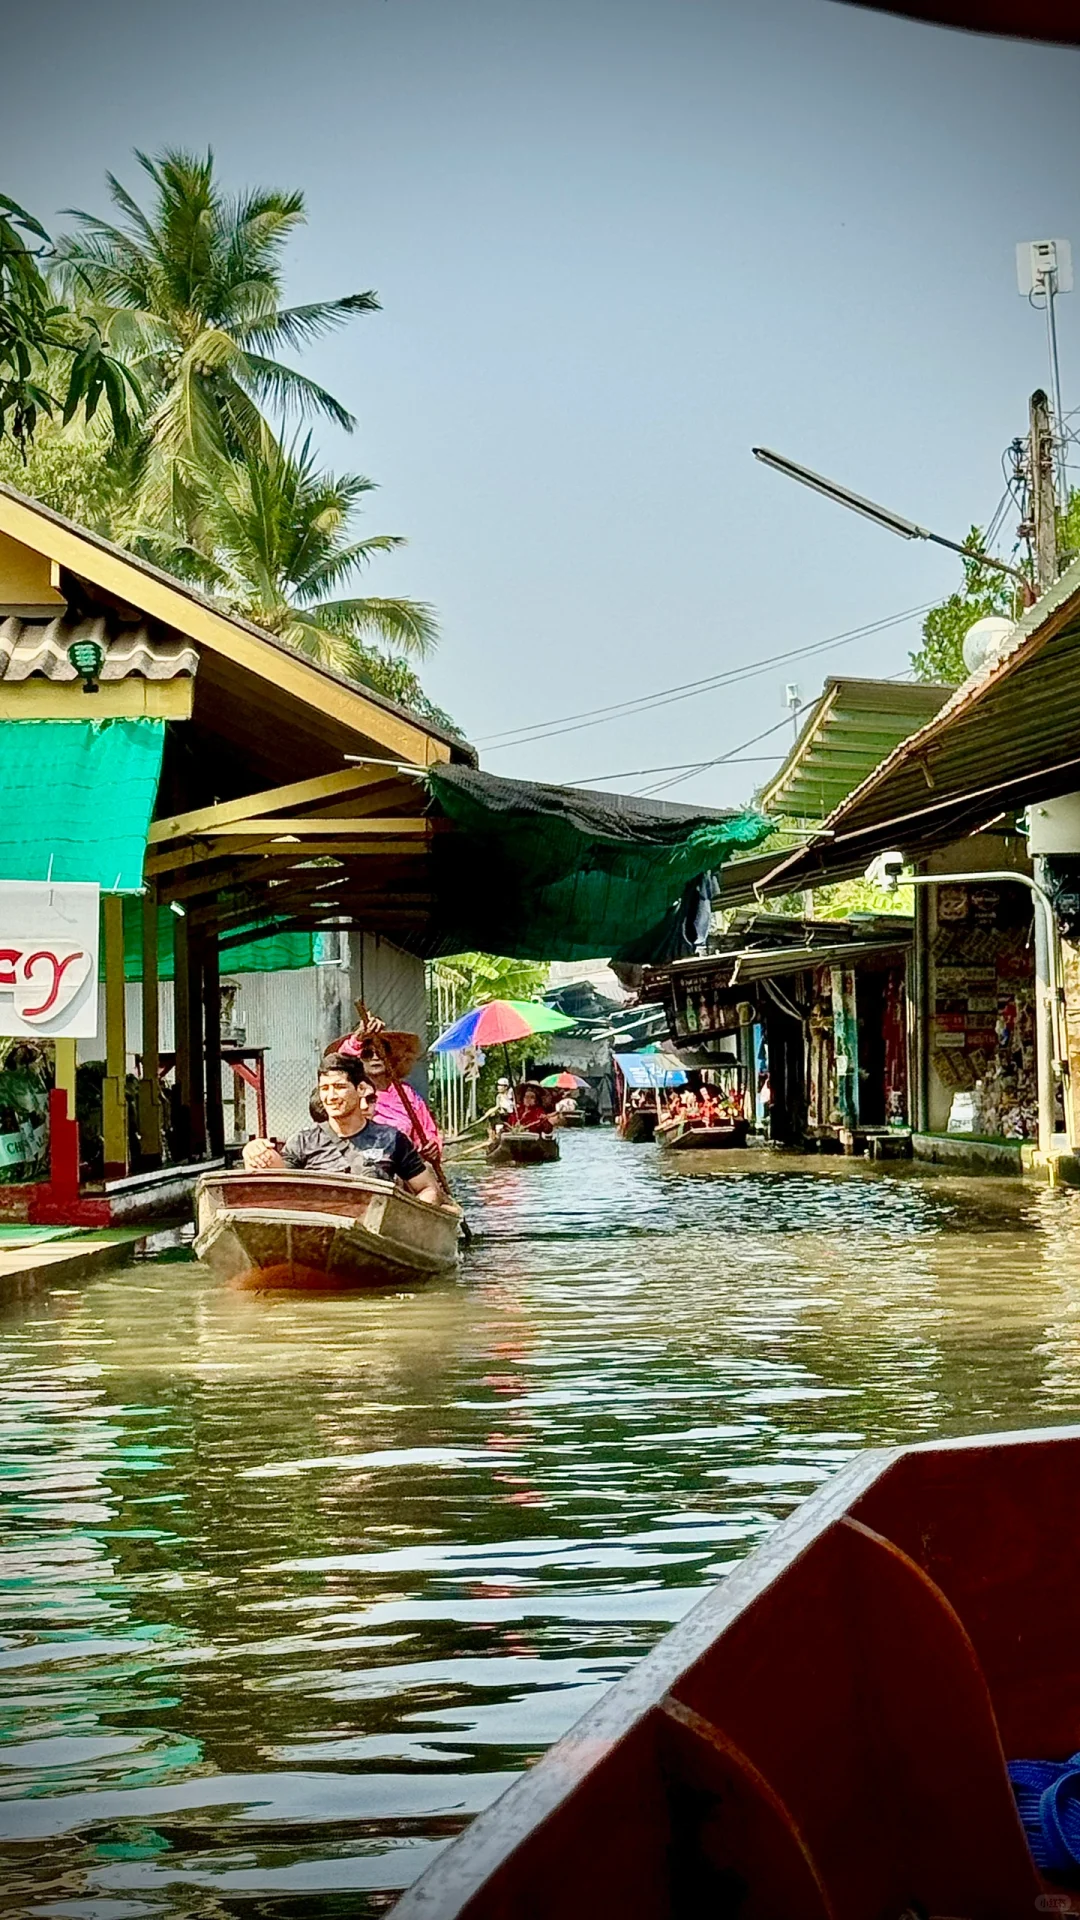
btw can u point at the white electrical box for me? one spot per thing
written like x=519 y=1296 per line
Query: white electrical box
x=1037 y=259
x=1054 y=825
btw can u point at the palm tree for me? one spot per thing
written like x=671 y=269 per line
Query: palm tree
x=189 y=295
x=276 y=547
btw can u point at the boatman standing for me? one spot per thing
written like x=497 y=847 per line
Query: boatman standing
x=349 y=1140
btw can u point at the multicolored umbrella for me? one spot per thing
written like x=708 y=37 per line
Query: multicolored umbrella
x=499 y=1021
x=570 y=1081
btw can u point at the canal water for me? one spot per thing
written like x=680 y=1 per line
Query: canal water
x=293 y=1586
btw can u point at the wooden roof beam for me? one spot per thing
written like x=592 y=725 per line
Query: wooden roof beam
x=241 y=644
x=252 y=806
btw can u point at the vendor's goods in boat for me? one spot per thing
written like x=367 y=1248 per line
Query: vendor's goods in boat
x=825 y=1735
x=689 y=1135
x=520 y=1147
x=308 y=1229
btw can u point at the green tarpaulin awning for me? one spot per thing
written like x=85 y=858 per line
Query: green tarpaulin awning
x=76 y=799
x=562 y=873
x=265 y=952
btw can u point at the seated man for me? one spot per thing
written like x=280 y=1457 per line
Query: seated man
x=348 y=1140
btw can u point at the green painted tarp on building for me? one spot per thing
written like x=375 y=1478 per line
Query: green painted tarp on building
x=76 y=799
x=268 y=952
x=561 y=873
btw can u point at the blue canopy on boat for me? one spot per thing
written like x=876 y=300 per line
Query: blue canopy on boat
x=650 y=1069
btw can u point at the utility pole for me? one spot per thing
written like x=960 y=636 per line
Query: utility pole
x=1043 y=497
x=1043 y=271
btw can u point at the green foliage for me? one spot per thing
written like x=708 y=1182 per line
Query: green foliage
x=272 y=540
x=1069 y=528
x=490 y=976
x=191 y=294
x=39 y=336
x=861 y=896
x=940 y=659
x=70 y=469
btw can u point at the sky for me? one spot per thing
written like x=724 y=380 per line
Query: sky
x=617 y=244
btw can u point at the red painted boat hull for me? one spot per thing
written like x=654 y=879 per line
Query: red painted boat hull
x=824 y=1736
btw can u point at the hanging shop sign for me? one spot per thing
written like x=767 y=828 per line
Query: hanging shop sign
x=48 y=959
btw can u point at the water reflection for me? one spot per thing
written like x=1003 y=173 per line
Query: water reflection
x=292 y=1587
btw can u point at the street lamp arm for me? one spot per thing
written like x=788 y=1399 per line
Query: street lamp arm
x=884 y=516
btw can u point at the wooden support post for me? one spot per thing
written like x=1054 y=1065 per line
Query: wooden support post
x=211 y=999
x=182 y=1039
x=1070 y=972
x=66 y=1052
x=63 y=1132
x=150 y=1084
x=114 y=1116
x=195 y=1043
x=846 y=1042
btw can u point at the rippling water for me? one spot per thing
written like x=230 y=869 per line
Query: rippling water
x=293 y=1586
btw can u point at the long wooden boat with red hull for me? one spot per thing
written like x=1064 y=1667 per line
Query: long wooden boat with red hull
x=824 y=1736
x=307 y=1229
x=683 y=1135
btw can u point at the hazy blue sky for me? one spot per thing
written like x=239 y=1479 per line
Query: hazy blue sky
x=617 y=242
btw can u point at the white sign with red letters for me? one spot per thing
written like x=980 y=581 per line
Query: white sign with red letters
x=49 y=959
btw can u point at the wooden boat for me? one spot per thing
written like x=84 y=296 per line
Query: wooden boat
x=520 y=1147
x=310 y=1229
x=637 y=1123
x=824 y=1736
x=683 y=1135
x=568 y=1120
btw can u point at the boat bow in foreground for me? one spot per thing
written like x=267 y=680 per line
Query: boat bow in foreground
x=823 y=1737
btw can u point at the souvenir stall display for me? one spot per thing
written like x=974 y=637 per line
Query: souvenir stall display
x=983 y=986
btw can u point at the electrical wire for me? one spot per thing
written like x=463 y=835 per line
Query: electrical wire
x=678 y=766
x=668 y=696
x=721 y=758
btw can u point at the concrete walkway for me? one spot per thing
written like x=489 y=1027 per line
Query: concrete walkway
x=29 y=1269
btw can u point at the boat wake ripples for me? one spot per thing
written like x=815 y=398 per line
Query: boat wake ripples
x=294 y=1585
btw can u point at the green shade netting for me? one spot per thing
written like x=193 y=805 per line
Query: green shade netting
x=269 y=952
x=559 y=873
x=76 y=798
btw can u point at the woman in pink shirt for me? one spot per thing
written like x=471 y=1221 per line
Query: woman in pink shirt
x=408 y=1110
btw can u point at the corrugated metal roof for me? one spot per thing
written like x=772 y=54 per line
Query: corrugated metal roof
x=765 y=963
x=29 y=647
x=849 y=731
x=1008 y=737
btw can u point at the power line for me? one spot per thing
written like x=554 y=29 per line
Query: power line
x=668 y=696
x=678 y=766
x=721 y=758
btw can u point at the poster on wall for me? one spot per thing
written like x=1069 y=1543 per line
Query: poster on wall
x=48 y=959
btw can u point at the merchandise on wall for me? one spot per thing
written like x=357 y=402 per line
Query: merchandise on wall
x=983 y=1010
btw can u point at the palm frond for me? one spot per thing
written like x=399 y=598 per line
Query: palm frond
x=408 y=624
x=294 y=392
x=296 y=326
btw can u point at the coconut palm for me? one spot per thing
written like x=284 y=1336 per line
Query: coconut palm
x=190 y=296
x=275 y=545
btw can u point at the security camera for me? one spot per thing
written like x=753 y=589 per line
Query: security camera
x=887 y=871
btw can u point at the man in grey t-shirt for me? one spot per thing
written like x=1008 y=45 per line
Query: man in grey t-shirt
x=348 y=1141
